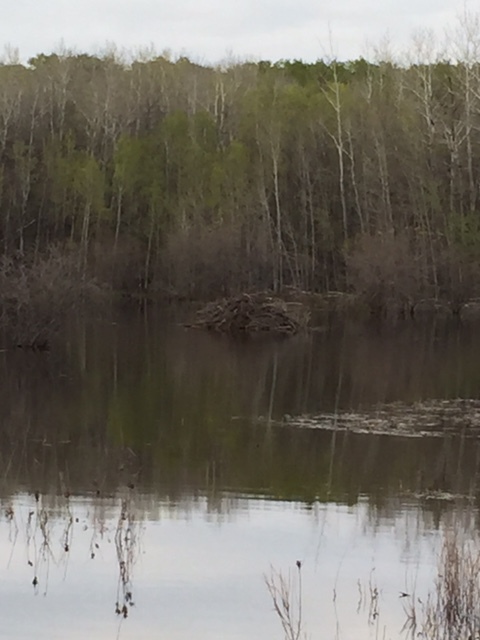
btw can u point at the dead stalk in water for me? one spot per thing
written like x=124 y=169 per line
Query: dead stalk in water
x=286 y=595
x=126 y=544
x=453 y=609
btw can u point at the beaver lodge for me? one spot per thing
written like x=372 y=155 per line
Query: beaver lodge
x=252 y=314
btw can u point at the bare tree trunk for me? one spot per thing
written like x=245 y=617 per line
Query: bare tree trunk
x=118 y=218
x=85 y=235
x=279 y=241
x=358 y=206
x=337 y=139
x=148 y=256
x=385 y=184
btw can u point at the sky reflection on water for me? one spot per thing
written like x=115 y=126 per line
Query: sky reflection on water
x=199 y=571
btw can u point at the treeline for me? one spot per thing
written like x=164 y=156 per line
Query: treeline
x=202 y=181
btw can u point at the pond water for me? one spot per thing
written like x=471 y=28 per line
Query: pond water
x=152 y=486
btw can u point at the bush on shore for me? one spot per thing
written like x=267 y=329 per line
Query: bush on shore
x=36 y=295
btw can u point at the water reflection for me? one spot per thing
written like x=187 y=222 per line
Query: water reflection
x=150 y=404
x=136 y=447
x=196 y=567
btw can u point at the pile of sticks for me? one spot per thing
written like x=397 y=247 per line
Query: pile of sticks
x=248 y=313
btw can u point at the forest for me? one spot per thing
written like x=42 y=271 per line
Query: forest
x=198 y=181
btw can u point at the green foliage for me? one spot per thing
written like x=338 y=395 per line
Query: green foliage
x=88 y=181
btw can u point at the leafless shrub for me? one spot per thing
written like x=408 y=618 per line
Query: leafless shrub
x=207 y=263
x=386 y=271
x=459 y=275
x=122 y=267
x=396 y=271
x=35 y=296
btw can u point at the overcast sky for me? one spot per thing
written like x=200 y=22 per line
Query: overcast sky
x=212 y=30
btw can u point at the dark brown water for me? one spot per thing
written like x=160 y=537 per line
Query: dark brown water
x=144 y=463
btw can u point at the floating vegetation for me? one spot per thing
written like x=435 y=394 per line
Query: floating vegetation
x=427 y=418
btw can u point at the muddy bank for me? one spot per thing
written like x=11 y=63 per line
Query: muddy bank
x=432 y=418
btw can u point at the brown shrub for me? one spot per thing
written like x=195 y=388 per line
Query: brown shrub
x=399 y=270
x=386 y=271
x=121 y=264
x=36 y=295
x=209 y=263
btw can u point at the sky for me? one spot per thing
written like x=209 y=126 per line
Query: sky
x=211 y=31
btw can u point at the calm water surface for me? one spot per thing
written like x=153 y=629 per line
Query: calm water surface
x=146 y=469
